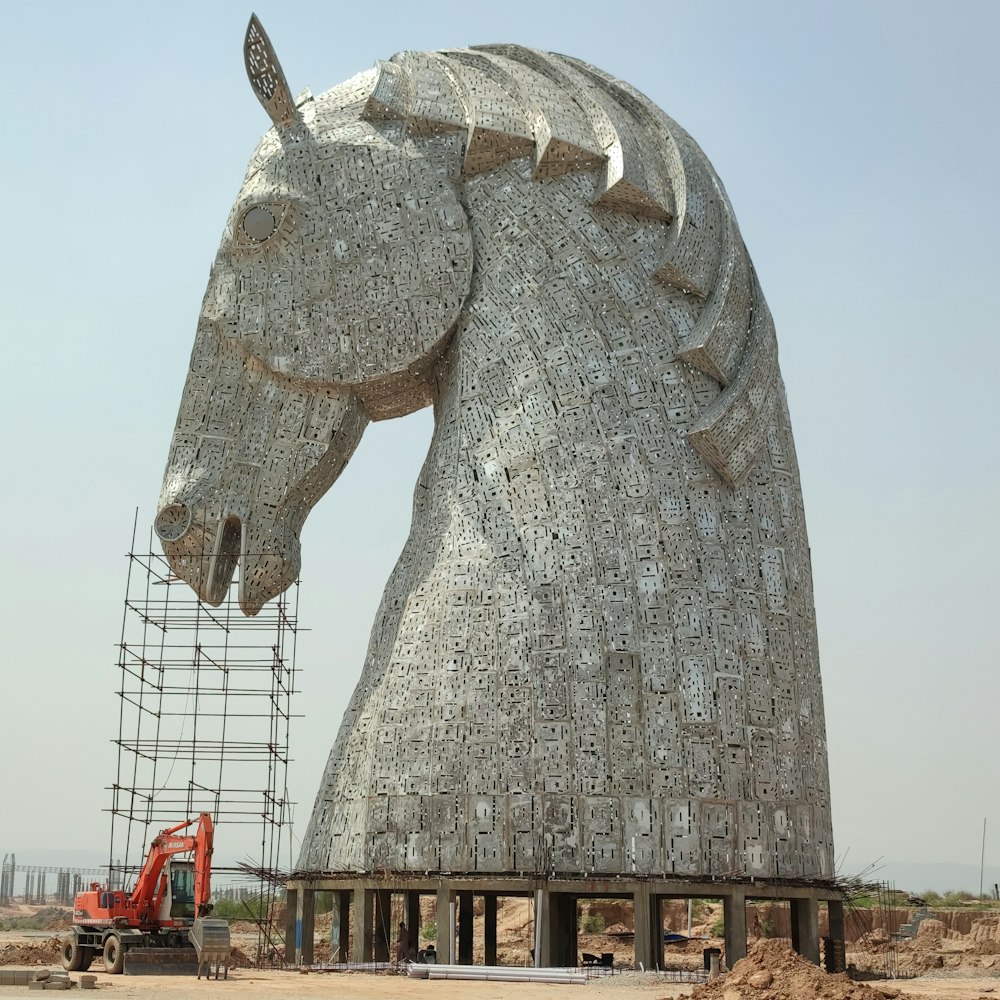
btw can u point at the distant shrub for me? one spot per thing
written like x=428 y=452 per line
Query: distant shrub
x=952 y=897
x=250 y=908
x=48 y=918
x=767 y=928
x=592 y=923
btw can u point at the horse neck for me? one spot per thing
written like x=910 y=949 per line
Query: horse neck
x=535 y=435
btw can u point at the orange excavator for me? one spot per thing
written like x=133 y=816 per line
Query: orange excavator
x=163 y=924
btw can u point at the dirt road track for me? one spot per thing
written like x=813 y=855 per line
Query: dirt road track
x=252 y=985
x=246 y=984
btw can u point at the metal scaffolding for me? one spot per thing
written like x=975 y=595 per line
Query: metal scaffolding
x=204 y=718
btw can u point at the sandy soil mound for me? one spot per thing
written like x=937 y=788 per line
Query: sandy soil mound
x=772 y=971
x=45 y=918
x=930 y=934
x=239 y=959
x=43 y=953
x=984 y=936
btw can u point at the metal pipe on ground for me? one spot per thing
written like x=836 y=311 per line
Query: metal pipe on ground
x=509 y=974
x=350 y=967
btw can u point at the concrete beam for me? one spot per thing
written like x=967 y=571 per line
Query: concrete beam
x=582 y=887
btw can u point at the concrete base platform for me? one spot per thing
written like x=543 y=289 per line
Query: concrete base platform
x=362 y=930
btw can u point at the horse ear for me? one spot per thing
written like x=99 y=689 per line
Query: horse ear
x=266 y=76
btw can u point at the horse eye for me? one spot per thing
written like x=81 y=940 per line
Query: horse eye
x=259 y=224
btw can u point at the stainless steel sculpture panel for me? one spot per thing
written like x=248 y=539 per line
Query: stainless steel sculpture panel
x=597 y=652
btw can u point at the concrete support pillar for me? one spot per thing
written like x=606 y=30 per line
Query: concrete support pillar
x=558 y=930
x=656 y=909
x=734 y=908
x=413 y=920
x=383 y=924
x=543 y=938
x=648 y=950
x=465 y=927
x=292 y=926
x=340 y=926
x=835 y=946
x=363 y=918
x=805 y=928
x=490 y=928
x=335 y=955
x=307 y=926
x=445 y=944
x=835 y=917
x=564 y=931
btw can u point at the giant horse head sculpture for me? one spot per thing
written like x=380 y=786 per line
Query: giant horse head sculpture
x=349 y=265
x=597 y=651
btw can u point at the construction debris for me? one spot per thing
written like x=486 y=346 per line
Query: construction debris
x=41 y=953
x=772 y=971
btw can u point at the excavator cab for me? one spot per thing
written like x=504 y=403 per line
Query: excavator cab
x=178 y=901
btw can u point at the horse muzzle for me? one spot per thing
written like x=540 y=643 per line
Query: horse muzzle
x=205 y=552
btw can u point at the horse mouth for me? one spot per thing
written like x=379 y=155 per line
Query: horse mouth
x=205 y=555
x=263 y=574
x=225 y=557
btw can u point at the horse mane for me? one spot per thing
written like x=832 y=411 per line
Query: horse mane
x=513 y=102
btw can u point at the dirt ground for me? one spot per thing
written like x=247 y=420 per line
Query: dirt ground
x=955 y=958
x=250 y=985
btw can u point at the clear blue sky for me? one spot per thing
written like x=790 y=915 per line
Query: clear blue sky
x=858 y=143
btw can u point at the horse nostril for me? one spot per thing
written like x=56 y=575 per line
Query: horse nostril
x=172 y=522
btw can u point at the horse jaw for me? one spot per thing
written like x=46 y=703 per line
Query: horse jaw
x=265 y=573
x=206 y=555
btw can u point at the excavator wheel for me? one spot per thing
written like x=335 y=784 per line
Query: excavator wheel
x=72 y=954
x=114 y=956
x=87 y=956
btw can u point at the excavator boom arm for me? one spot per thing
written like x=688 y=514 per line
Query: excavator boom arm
x=204 y=840
x=166 y=845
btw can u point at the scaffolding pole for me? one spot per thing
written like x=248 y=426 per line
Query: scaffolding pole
x=204 y=699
